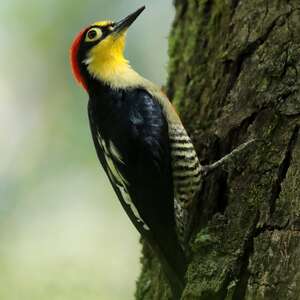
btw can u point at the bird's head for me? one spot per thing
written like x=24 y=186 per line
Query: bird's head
x=98 y=50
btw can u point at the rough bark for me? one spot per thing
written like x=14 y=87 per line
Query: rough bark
x=233 y=74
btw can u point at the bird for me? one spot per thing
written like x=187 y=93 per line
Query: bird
x=140 y=142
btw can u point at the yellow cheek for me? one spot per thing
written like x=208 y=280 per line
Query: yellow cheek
x=107 y=57
x=110 y=48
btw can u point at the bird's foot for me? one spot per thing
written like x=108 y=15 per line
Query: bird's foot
x=225 y=159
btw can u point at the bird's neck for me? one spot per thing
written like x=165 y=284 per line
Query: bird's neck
x=111 y=67
x=115 y=72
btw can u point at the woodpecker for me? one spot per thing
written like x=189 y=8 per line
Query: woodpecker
x=141 y=143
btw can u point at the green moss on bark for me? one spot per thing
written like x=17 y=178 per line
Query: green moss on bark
x=233 y=74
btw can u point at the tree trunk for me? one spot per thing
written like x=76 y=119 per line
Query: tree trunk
x=233 y=75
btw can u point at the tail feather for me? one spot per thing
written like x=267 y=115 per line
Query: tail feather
x=173 y=262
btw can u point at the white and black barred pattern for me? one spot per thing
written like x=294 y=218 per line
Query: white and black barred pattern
x=186 y=176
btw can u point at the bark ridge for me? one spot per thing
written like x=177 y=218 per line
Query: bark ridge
x=233 y=75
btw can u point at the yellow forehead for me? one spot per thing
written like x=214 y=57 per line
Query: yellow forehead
x=103 y=23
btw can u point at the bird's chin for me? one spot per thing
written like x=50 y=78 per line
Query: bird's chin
x=118 y=35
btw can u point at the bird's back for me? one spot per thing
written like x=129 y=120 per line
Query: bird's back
x=131 y=136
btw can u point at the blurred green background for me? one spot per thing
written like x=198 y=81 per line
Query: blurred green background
x=63 y=234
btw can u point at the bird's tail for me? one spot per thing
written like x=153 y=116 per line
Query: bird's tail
x=173 y=262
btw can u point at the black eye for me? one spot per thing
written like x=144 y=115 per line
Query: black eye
x=92 y=34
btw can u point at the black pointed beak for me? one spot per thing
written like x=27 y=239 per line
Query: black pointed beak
x=126 y=22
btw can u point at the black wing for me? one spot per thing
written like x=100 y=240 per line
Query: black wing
x=133 y=147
